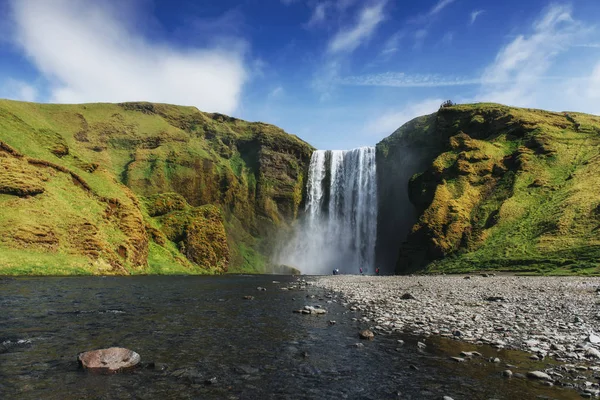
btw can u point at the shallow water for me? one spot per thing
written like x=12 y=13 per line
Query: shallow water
x=197 y=328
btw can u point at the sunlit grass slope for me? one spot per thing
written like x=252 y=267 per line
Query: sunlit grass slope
x=139 y=188
x=510 y=189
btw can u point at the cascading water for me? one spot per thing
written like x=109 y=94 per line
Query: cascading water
x=340 y=225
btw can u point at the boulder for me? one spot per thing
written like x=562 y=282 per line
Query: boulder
x=111 y=360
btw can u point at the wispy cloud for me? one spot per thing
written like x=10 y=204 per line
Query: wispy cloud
x=588 y=45
x=420 y=35
x=447 y=38
x=276 y=93
x=392 y=44
x=400 y=79
x=351 y=37
x=440 y=5
x=319 y=14
x=519 y=67
x=18 y=90
x=390 y=120
x=403 y=80
x=475 y=14
x=103 y=58
x=428 y=16
x=424 y=21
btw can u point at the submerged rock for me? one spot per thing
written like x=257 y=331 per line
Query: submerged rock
x=366 y=334
x=111 y=360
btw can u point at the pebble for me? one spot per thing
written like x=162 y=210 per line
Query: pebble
x=507 y=373
x=539 y=375
x=366 y=334
x=593 y=338
x=545 y=316
x=592 y=352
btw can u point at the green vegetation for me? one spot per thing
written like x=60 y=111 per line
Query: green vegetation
x=508 y=189
x=141 y=188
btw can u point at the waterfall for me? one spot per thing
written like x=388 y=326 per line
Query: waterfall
x=339 y=229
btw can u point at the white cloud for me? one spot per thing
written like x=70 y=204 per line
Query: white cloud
x=348 y=39
x=402 y=80
x=475 y=14
x=436 y=9
x=593 y=89
x=590 y=45
x=88 y=53
x=447 y=38
x=420 y=35
x=392 y=45
x=276 y=93
x=326 y=77
x=391 y=120
x=440 y=5
x=319 y=14
x=18 y=90
x=515 y=75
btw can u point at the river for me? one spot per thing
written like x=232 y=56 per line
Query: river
x=197 y=328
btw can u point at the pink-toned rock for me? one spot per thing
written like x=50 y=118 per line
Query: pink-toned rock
x=111 y=360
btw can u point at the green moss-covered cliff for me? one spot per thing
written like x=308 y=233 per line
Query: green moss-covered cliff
x=491 y=187
x=142 y=188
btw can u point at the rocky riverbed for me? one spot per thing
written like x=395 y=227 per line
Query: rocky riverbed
x=549 y=317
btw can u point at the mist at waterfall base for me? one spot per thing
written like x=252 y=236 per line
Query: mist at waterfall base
x=339 y=226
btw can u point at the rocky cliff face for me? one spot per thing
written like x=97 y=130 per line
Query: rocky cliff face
x=142 y=188
x=504 y=188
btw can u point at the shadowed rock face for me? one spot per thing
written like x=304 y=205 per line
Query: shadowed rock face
x=111 y=360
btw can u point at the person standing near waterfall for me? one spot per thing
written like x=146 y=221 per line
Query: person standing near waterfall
x=361 y=272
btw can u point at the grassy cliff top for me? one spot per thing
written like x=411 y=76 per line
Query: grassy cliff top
x=77 y=181
x=483 y=120
x=507 y=188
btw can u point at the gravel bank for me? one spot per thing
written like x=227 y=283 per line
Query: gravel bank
x=555 y=317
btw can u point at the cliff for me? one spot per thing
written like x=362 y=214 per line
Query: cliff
x=492 y=188
x=142 y=188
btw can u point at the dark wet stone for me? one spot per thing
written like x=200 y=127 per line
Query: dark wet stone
x=246 y=369
x=211 y=381
x=495 y=298
x=408 y=296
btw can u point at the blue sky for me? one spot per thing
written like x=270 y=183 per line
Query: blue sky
x=338 y=73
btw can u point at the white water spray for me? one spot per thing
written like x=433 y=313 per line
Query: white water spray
x=340 y=225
